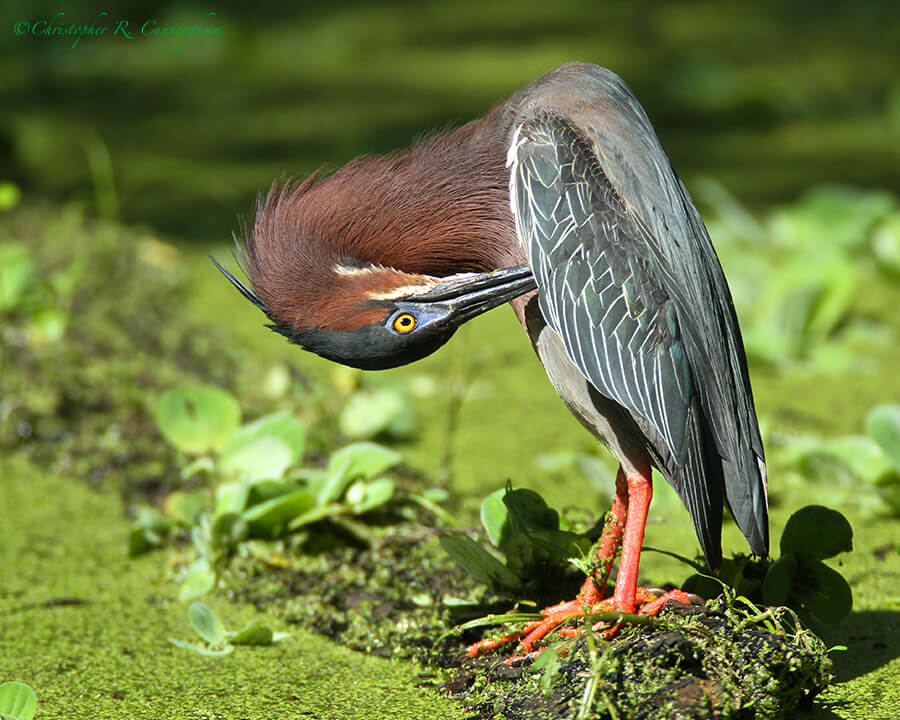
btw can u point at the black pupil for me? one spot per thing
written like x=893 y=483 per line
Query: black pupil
x=405 y=320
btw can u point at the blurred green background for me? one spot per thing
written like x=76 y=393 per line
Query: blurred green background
x=131 y=158
x=768 y=97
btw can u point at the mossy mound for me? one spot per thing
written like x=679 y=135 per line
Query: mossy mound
x=397 y=594
x=394 y=595
x=695 y=663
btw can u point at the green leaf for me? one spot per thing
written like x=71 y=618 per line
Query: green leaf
x=883 y=424
x=232 y=497
x=185 y=507
x=206 y=623
x=262 y=458
x=150 y=517
x=478 y=562
x=495 y=517
x=530 y=554
x=522 y=555
x=265 y=490
x=507 y=512
x=200 y=465
x=194 y=647
x=862 y=455
x=886 y=243
x=548 y=664
x=9 y=196
x=280 y=425
x=319 y=512
x=47 y=326
x=227 y=531
x=808 y=296
x=256 y=633
x=142 y=540
x=530 y=512
x=435 y=495
x=832 y=216
x=18 y=274
x=363 y=461
x=816 y=532
x=197 y=418
x=147 y=532
x=365 y=496
x=776 y=587
x=268 y=519
x=370 y=412
x=823 y=592
x=560 y=544
x=17 y=701
x=200 y=579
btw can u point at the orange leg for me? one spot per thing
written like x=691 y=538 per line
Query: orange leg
x=610 y=542
x=640 y=492
x=624 y=527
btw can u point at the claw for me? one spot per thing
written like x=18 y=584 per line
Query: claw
x=556 y=615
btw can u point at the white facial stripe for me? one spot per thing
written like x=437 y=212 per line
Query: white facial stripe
x=352 y=270
x=402 y=292
x=423 y=284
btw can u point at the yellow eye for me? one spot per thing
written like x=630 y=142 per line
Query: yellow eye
x=404 y=323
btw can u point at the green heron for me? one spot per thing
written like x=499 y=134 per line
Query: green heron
x=562 y=202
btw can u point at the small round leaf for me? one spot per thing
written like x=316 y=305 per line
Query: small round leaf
x=281 y=425
x=254 y=634
x=263 y=458
x=816 y=532
x=185 y=507
x=776 y=587
x=883 y=425
x=823 y=592
x=369 y=495
x=17 y=701
x=206 y=623
x=886 y=243
x=495 y=517
x=369 y=413
x=197 y=418
x=200 y=580
x=268 y=518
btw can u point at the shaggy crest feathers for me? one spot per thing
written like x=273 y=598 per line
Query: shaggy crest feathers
x=437 y=209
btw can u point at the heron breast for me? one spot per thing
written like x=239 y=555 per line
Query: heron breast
x=604 y=418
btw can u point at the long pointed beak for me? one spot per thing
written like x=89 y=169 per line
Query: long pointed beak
x=471 y=294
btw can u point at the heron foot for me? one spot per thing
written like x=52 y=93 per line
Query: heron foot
x=646 y=602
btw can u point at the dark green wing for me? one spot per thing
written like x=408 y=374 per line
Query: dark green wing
x=626 y=317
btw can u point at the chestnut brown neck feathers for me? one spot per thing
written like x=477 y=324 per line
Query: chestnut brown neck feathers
x=318 y=248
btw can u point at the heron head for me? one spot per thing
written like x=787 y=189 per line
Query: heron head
x=330 y=279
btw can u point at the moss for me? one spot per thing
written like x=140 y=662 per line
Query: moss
x=87 y=629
